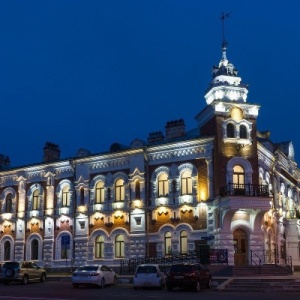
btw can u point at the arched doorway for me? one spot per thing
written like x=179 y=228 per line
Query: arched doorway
x=240 y=243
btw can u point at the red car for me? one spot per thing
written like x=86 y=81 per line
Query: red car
x=193 y=276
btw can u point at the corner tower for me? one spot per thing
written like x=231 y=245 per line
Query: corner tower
x=232 y=121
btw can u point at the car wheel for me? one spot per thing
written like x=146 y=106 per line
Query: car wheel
x=9 y=273
x=115 y=280
x=197 y=287
x=169 y=288
x=25 y=279
x=135 y=287
x=75 y=285
x=43 y=277
x=102 y=284
x=5 y=282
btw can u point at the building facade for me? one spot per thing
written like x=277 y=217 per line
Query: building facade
x=223 y=182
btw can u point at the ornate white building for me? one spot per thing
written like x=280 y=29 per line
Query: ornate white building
x=223 y=182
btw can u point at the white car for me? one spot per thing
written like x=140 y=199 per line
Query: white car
x=148 y=275
x=100 y=275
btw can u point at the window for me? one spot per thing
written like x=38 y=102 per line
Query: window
x=35 y=249
x=119 y=190
x=238 y=175
x=65 y=201
x=7 y=250
x=243 y=132
x=65 y=242
x=137 y=190
x=163 y=185
x=99 y=247
x=230 y=130
x=183 y=242
x=82 y=196
x=99 y=192
x=119 y=246
x=168 y=243
x=35 y=200
x=8 y=203
x=186 y=183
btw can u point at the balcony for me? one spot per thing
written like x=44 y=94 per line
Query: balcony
x=247 y=190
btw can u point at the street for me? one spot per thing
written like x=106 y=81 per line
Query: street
x=62 y=290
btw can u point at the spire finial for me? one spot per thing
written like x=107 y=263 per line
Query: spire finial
x=223 y=17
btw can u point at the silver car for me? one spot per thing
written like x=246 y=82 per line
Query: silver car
x=149 y=275
x=99 y=275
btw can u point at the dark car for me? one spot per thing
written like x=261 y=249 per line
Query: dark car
x=22 y=272
x=193 y=276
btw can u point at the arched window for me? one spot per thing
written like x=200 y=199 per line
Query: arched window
x=119 y=190
x=163 y=185
x=137 y=190
x=243 y=132
x=119 y=246
x=7 y=250
x=99 y=247
x=65 y=196
x=168 y=243
x=183 y=242
x=99 y=192
x=186 y=183
x=230 y=130
x=34 y=249
x=8 y=203
x=238 y=176
x=36 y=200
x=82 y=196
x=64 y=247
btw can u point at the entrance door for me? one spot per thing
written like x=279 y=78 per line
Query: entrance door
x=240 y=243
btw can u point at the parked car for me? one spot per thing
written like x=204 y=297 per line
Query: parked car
x=99 y=275
x=148 y=275
x=22 y=272
x=188 y=275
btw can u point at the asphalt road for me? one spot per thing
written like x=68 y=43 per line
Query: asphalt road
x=58 y=290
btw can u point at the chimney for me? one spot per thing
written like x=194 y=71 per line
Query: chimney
x=155 y=137
x=4 y=162
x=175 y=129
x=51 y=152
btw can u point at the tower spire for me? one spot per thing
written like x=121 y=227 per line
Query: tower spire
x=223 y=17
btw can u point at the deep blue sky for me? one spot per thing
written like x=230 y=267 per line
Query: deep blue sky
x=86 y=74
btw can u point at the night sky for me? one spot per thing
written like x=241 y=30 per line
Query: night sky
x=86 y=74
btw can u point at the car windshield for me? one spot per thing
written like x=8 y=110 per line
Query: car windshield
x=182 y=268
x=146 y=269
x=88 y=268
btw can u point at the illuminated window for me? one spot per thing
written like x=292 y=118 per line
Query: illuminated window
x=119 y=246
x=137 y=190
x=65 y=196
x=186 y=183
x=8 y=203
x=243 y=132
x=163 y=185
x=183 y=242
x=168 y=243
x=119 y=190
x=99 y=192
x=36 y=200
x=34 y=249
x=99 y=247
x=238 y=175
x=7 y=250
x=230 y=130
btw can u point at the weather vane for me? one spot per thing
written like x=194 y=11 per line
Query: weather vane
x=223 y=17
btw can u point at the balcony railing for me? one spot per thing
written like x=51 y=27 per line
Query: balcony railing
x=249 y=190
